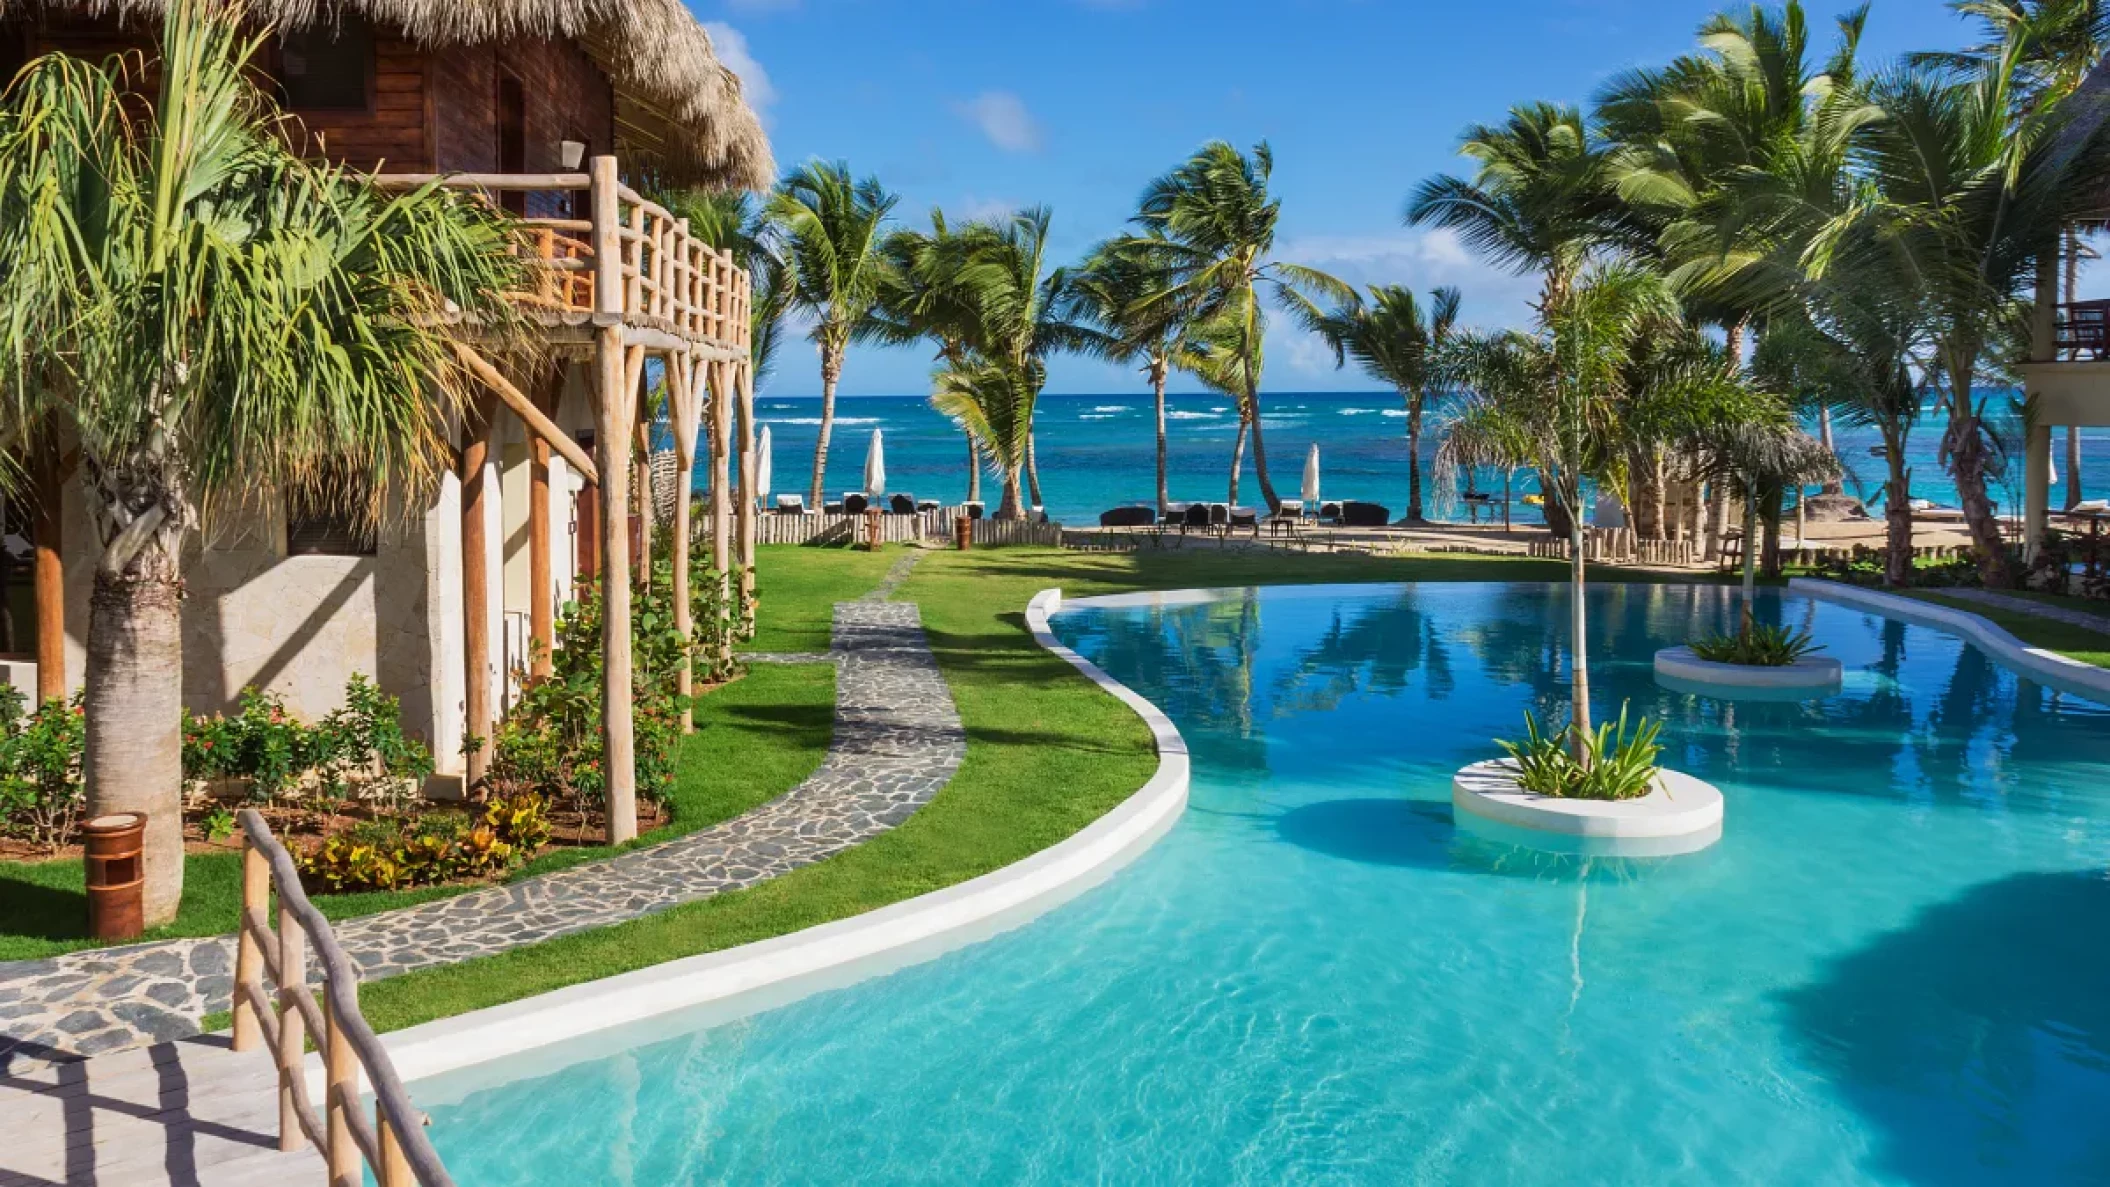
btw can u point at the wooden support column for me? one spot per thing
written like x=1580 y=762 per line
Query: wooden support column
x=2036 y=458
x=682 y=401
x=748 y=492
x=49 y=495
x=477 y=491
x=721 y=501
x=641 y=480
x=613 y=415
x=542 y=592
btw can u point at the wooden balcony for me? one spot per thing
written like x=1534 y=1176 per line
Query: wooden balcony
x=629 y=263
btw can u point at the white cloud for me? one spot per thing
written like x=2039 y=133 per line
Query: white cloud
x=734 y=55
x=1003 y=118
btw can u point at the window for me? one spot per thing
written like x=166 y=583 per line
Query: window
x=319 y=527
x=327 y=66
x=512 y=138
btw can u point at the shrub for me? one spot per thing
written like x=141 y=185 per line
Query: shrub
x=438 y=847
x=41 y=793
x=1757 y=645
x=1617 y=763
x=277 y=752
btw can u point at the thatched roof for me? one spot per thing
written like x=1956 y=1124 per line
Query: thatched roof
x=674 y=99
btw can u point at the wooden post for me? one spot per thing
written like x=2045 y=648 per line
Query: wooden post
x=748 y=493
x=292 y=1031
x=394 y=1170
x=340 y=1094
x=2036 y=458
x=50 y=570
x=476 y=583
x=542 y=593
x=641 y=477
x=681 y=379
x=605 y=212
x=248 y=951
x=612 y=417
x=721 y=500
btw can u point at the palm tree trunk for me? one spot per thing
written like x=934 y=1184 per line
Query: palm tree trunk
x=1032 y=471
x=1413 y=456
x=1967 y=459
x=831 y=371
x=1237 y=461
x=1769 y=521
x=1158 y=369
x=1750 y=554
x=1267 y=488
x=1012 y=507
x=1578 y=642
x=2073 y=466
x=974 y=470
x=1897 y=511
x=1717 y=520
x=133 y=756
x=1559 y=521
x=1833 y=486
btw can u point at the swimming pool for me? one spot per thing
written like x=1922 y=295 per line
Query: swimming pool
x=1894 y=967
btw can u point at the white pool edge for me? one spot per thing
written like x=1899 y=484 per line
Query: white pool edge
x=2046 y=667
x=1811 y=672
x=769 y=973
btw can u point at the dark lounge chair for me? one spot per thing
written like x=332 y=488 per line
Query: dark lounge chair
x=855 y=504
x=1196 y=518
x=974 y=509
x=1241 y=517
x=1364 y=515
x=1128 y=517
x=1329 y=512
x=902 y=504
x=791 y=505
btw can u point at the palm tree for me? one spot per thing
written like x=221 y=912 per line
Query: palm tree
x=1394 y=340
x=213 y=319
x=1119 y=290
x=1557 y=398
x=833 y=230
x=738 y=223
x=1210 y=230
x=993 y=399
x=922 y=299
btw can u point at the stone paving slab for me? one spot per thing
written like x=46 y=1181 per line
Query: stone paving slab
x=897 y=741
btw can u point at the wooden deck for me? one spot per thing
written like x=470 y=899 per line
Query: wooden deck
x=187 y=1112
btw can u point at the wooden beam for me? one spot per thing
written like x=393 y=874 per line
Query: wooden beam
x=476 y=583
x=721 y=498
x=542 y=593
x=748 y=492
x=50 y=570
x=541 y=426
x=613 y=415
x=681 y=380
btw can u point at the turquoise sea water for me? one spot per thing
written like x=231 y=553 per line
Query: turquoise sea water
x=1892 y=969
x=1097 y=452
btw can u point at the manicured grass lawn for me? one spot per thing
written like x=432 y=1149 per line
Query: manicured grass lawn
x=798 y=587
x=2073 y=642
x=1047 y=753
x=756 y=738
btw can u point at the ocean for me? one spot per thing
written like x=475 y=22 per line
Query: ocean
x=1096 y=452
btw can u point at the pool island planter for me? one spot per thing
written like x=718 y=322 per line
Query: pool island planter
x=1811 y=673
x=1682 y=814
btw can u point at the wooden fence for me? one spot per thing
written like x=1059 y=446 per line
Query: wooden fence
x=1619 y=546
x=932 y=526
x=393 y=1144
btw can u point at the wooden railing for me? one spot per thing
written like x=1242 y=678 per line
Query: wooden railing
x=283 y=1018
x=629 y=261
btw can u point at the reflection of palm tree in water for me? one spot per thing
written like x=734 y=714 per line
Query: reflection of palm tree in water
x=1197 y=660
x=1376 y=649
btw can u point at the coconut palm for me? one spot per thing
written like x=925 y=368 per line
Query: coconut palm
x=1760 y=459
x=1393 y=339
x=833 y=227
x=993 y=399
x=1557 y=398
x=212 y=319
x=1119 y=290
x=922 y=299
x=743 y=226
x=1209 y=226
x=1968 y=190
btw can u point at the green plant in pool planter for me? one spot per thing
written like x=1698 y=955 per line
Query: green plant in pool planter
x=1756 y=645
x=1615 y=761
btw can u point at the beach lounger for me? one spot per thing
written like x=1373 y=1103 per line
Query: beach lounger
x=1364 y=515
x=974 y=508
x=927 y=505
x=791 y=505
x=855 y=504
x=902 y=504
x=1329 y=512
x=1128 y=517
x=1241 y=517
x=1195 y=517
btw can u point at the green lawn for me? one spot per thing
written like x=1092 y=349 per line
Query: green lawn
x=797 y=588
x=2073 y=642
x=1047 y=753
x=756 y=738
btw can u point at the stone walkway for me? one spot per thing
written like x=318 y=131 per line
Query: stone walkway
x=897 y=741
x=2099 y=623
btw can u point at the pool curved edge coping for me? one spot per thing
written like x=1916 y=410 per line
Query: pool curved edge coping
x=537 y=1035
x=2046 y=667
x=1811 y=672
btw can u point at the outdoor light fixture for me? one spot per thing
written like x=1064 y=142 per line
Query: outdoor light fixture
x=571 y=153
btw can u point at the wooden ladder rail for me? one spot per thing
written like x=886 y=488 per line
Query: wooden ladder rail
x=394 y=1143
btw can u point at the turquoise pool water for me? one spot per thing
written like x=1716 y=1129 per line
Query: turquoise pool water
x=1894 y=968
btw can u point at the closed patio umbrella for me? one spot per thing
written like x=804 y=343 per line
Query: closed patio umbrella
x=875 y=467
x=1310 y=493
x=762 y=467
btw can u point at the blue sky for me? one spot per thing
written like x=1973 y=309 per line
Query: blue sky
x=979 y=107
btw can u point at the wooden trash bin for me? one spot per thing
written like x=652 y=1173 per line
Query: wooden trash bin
x=115 y=858
x=962 y=532
x=875 y=529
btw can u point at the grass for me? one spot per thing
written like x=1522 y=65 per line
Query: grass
x=1047 y=753
x=2073 y=642
x=756 y=738
x=798 y=586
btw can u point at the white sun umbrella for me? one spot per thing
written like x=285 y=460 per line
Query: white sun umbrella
x=1310 y=493
x=875 y=468
x=762 y=467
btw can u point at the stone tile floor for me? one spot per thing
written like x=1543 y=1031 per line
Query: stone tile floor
x=897 y=741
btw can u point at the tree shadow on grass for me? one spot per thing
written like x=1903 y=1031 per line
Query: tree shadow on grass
x=40 y=911
x=1976 y=1038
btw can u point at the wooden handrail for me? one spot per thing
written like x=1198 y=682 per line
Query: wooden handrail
x=399 y=1153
